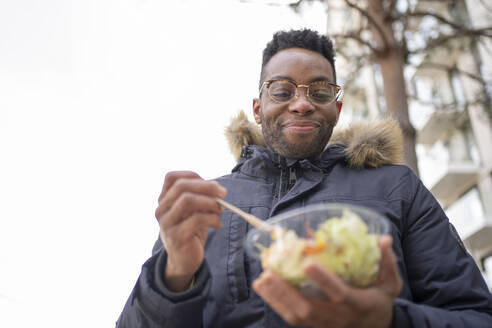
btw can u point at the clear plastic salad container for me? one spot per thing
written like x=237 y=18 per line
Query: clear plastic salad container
x=343 y=238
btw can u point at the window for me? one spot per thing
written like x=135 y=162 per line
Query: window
x=487 y=267
x=466 y=213
x=457 y=89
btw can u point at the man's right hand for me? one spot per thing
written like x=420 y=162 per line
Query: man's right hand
x=186 y=210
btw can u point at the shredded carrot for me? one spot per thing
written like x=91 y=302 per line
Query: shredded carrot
x=310 y=250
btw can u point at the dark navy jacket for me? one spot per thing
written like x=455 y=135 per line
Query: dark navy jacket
x=442 y=286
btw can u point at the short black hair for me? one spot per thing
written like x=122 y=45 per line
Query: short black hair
x=304 y=38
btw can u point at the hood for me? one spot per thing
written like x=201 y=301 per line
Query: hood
x=367 y=144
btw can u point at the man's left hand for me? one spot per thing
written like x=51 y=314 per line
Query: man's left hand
x=345 y=306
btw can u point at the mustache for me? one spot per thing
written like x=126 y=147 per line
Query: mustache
x=302 y=122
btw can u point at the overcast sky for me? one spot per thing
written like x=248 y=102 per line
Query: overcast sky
x=98 y=100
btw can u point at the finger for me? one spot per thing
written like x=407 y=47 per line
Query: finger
x=195 y=226
x=336 y=290
x=197 y=222
x=286 y=300
x=185 y=206
x=198 y=186
x=182 y=185
x=180 y=234
x=173 y=176
x=389 y=277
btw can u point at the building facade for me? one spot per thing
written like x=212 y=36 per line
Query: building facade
x=455 y=140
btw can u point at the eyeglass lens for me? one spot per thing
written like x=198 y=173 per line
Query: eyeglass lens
x=318 y=92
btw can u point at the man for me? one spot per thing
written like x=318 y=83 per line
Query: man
x=203 y=278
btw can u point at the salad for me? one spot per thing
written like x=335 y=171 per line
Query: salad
x=340 y=244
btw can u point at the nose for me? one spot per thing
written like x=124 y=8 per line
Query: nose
x=301 y=104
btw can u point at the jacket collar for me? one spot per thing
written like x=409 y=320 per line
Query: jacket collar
x=365 y=144
x=258 y=160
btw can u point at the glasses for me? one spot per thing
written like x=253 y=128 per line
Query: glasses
x=318 y=92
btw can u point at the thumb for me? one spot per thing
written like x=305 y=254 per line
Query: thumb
x=389 y=277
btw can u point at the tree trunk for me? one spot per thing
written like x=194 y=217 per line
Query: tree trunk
x=391 y=61
x=397 y=104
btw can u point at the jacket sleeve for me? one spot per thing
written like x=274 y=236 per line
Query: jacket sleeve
x=447 y=287
x=152 y=305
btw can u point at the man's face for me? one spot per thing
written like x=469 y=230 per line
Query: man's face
x=298 y=128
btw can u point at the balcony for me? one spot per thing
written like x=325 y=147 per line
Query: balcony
x=478 y=241
x=480 y=237
x=456 y=179
x=437 y=6
x=439 y=125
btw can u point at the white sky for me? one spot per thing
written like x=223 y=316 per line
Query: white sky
x=94 y=110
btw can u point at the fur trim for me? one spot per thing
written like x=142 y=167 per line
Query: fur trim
x=241 y=132
x=370 y=144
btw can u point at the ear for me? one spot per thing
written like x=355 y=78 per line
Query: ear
x=339 y=109
x=257 y=110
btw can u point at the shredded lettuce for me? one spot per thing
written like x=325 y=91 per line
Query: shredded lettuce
x=340 y=244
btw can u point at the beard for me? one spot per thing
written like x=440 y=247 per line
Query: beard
x=312 y=147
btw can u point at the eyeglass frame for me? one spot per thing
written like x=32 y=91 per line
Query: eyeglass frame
x=338 y=90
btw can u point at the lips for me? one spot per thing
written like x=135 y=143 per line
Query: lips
x=301 y=125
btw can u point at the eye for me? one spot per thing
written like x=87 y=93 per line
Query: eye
x=322 y=96
x=282 y=91
x=322 y=93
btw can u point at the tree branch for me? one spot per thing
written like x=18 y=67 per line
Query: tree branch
x=296 y=6
x=355 y=73
x=448 y=106
x=356 y=37
x=389 y=12
x=372 y=21
x=433 y=43
x=444 y=20
x=445 y=67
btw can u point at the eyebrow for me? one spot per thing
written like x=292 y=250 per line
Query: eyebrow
x=316 y=79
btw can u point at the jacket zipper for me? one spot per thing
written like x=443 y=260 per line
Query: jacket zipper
x=292 y=178
x=278 y=192
x=286 y=181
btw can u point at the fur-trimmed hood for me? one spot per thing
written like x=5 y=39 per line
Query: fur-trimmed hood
x=368 y=144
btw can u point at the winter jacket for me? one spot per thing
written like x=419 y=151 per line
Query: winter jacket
x=442 y=286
